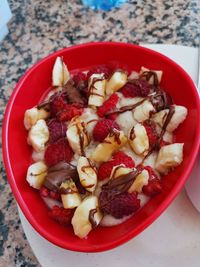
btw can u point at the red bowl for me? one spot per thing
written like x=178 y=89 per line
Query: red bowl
x=17 y=154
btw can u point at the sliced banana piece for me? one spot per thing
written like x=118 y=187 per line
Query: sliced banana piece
x=117 y=81
x=143 y=111
x=90 y=118
x=32 y=115
x=138 y=139
x=60 y=74
x=180 y=113
x=86 y=216
x=119 y=170
x=126 y=121
x=159 y=74
x=69 y=194
x=111 y=144
x=140 y=181
x=87 y=174
x=38 y=135
x=36 y=174
x=77 y=135
x=97 y=85
x=169 y=157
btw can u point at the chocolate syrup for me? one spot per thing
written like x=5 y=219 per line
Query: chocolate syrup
x=92 y=219
x=66 y=191
x=92 y=87
x=125 y=108
x=147 y=75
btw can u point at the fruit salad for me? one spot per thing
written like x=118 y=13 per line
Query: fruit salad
x=102 y=141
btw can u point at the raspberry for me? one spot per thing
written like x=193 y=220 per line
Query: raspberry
x=61 y=215
x=57 y=130
x=79 y=77
x=103 y=128
x=108 y=105
x=118 y=158
x=58 y=151
x=154 y=186
x=150 y=128
x=69 y=112
x=45 y=192
x=135 y=88
x=63 y=111
x=118 y=205
x=100 y=69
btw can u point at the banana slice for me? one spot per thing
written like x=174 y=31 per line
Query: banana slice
x=126 y=121
x=119 y=170
x=159 y=74
x=36 y=174
x=86 y=216
x=178 y=117
x=138 y=139
x=90 y=118
x=38 y=135
x=140 y=181
x=142 y=112
x=77 y=135
x=169 y=157
x=87 y=174
x=97 y=85
x=111 y=144
x=32 y=115
x=60 y=74
x=117 y=81
x=69 y=195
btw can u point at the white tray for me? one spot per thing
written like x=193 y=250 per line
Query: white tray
x=173 y=240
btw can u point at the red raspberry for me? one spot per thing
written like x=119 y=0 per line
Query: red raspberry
x=120 y=205
x=100 y=69
x=154 y=185
x=108 y=105
x=61 y=215
x=57 y=103
x=63 y=111
x=118 y=158
x=45 y=192
x=103 y=128
x=79 y=77
x=69 y=112
x=150 y=127
x=57 y=130
x=135 y=88
x=58 y=151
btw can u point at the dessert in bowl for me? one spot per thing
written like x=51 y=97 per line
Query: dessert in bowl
x=102 y=140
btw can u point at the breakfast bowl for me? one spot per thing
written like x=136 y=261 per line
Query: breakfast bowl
x=18 y=155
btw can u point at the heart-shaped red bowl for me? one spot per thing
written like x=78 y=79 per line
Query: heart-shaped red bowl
x=17 y=154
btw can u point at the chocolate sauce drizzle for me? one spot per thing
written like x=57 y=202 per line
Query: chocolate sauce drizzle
x=92 y=219
x=92 y=87
x=147 y=75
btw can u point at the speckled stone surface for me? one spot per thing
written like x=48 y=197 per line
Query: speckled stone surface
x=39 y=27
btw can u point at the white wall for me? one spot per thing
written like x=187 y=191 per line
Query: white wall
x=5 y=15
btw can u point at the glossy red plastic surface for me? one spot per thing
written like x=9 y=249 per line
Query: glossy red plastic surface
x=17 y=154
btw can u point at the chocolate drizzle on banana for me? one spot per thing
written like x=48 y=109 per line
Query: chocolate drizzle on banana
x=92 y=219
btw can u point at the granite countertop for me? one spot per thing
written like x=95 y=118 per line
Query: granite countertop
x=41 y=27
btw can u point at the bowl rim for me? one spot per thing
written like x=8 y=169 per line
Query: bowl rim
x=165 y=203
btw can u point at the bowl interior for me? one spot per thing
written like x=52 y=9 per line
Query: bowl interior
x=17 y=154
